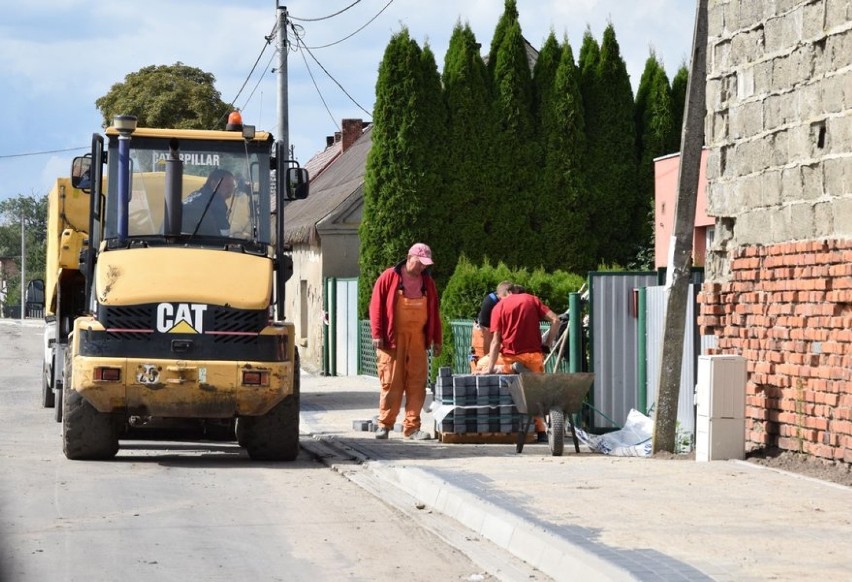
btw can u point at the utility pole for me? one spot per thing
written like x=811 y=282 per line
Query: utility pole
x=283 y=129
x=23 y=267
x=680 y=253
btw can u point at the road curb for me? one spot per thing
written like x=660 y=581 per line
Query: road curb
x=550 y=553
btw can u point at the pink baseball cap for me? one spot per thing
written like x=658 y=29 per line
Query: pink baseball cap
x=422 y=252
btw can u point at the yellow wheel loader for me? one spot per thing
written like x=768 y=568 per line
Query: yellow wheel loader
x=174 y=310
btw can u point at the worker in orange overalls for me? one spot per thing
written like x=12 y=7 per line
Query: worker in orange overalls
x=480 y=339
x=517 y=337
x=404 y=324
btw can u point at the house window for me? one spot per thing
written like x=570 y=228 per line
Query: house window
x=709 y=235
x=303 y=309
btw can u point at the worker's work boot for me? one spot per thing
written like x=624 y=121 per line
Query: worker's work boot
x=382 y=433
x=419 y=435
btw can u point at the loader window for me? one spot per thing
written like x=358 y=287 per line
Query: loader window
x=243 y=198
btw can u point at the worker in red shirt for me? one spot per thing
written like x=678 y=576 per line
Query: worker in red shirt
x=404 y=323
x=515 y=324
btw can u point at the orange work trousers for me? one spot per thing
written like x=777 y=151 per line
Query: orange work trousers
x=535 y=363
x=402 y=370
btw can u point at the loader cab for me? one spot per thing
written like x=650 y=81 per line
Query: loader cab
x=221 y=193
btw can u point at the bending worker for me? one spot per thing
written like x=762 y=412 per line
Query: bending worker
x=481 y=334
x=404 y=323
x=517 y=336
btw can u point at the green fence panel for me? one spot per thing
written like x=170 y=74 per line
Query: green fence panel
x=367 y=358
x=462 y=331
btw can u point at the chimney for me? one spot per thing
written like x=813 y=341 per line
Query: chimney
x=352 y=130
x=329 y=141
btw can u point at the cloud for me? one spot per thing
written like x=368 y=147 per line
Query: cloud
x=67 y=53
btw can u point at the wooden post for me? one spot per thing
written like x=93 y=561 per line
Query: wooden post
x=680 y=247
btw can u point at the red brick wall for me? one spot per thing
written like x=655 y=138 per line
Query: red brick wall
x=788 y=310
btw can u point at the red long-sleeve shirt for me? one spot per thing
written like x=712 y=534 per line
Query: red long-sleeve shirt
x=383 y=302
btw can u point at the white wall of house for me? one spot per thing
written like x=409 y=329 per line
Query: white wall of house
x=303 y=303
x=338 y=257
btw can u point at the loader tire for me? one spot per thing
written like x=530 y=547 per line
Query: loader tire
x=275 y=435
x=87 y=434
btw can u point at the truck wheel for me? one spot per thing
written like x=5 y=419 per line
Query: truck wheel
x=86 y=433
x=48 y=399
x=275 y=435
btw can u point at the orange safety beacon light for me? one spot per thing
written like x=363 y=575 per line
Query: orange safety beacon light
x=235 y=121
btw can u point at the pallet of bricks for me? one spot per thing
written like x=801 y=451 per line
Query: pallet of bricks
x=475 y=408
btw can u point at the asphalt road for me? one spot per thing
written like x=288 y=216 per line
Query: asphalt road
x=180 y=510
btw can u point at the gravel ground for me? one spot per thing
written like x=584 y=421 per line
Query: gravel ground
x=834 y=472
x=798 y=463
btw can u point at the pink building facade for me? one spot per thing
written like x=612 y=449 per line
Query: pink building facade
x=666 y=171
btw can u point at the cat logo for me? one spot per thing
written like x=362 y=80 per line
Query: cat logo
x=180 y=318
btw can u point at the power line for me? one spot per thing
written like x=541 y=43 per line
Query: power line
x=325 y=17
x=7 y=156
x=356 y=32
x=268 y=40
x=266 y=68
x=302 y=44
x=310 y=73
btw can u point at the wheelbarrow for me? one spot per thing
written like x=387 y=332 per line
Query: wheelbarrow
x=555 y=397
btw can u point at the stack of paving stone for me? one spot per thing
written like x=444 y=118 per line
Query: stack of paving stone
x=475 y=403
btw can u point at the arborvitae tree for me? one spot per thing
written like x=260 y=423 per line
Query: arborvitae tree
x=544 y=72
x=640 y=110
x=432 y=166
x=548 y=194
x=470 y=141
x=654 y=132
x=611 y=134
x=679 y=82
x=587 y=65
x=590 y=54
x=567 y=244
x=400 y=181
x=507 y=20
x=517 y=225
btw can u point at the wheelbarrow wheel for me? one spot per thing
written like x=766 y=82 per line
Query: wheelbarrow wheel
x=556 y=431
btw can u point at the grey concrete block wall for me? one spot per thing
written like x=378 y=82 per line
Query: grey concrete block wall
x=779 y=123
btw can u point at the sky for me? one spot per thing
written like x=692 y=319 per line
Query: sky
x=60 y=56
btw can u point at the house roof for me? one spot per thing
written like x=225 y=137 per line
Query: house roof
x=532 y=54
x=321 y=161
x=333 y=193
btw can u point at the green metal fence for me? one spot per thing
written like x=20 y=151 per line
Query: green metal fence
x=462 y=331
x=367 y=358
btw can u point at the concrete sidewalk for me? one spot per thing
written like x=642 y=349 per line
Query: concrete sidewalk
x=589 y=516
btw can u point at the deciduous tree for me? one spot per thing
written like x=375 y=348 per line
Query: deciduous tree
x=33 y=210
x=176 y=96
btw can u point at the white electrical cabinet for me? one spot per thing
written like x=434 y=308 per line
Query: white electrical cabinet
x=720 y=404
